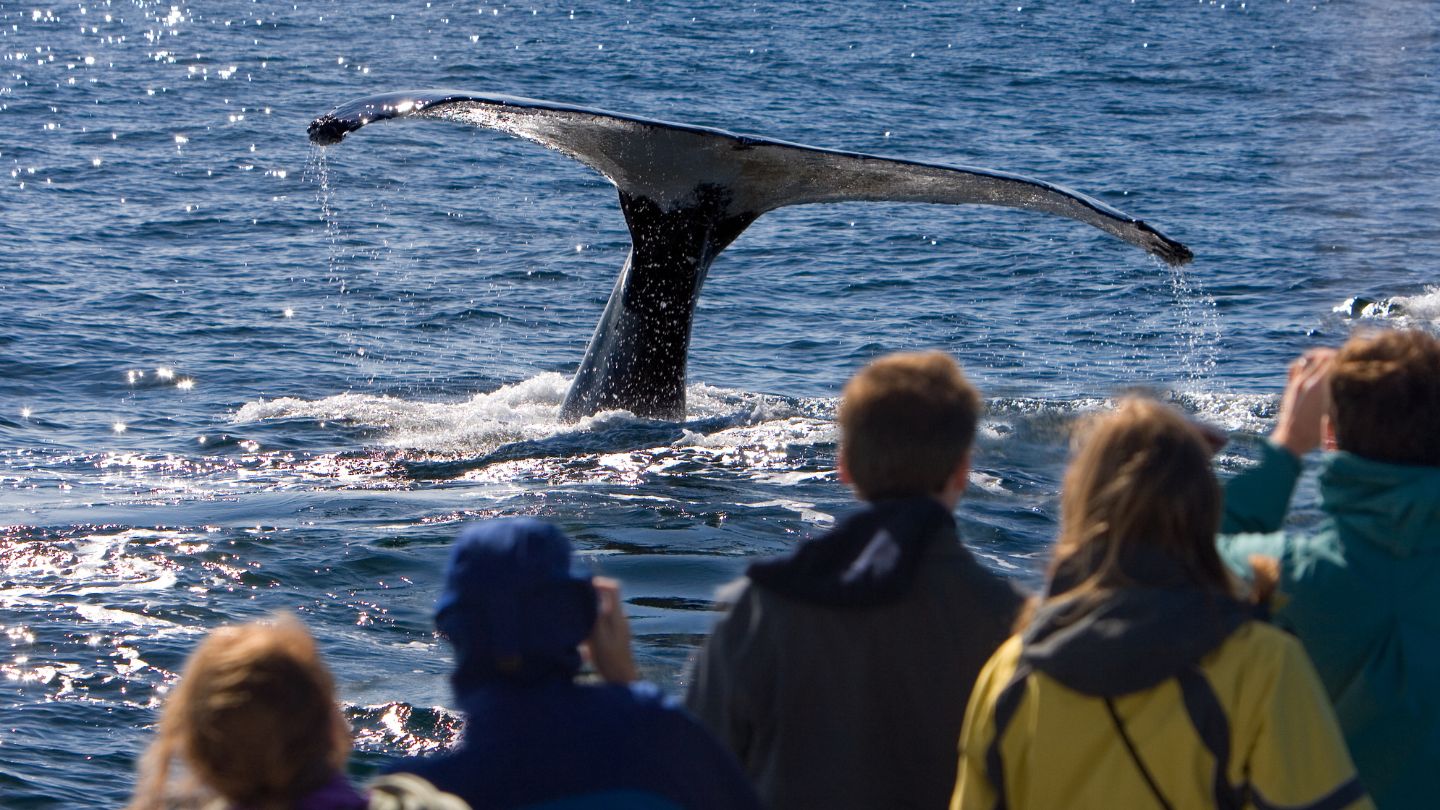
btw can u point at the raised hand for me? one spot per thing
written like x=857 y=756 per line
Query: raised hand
x=1306 y=404
x=608 y=646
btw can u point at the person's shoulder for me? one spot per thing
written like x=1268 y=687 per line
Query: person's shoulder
x=1001 y=669
x=734 y=592
x=406 y=791
x=962 y=564
x=660 y=719
x=422 y=766
x=1258 y=647
x=642 y=700
x=647 y=694
x=1255 y=638
x=1007 y=655
x=1248 y=663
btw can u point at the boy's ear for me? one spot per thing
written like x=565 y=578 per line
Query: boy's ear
x=1327 y=433
x=960 y=478
x=842 y=468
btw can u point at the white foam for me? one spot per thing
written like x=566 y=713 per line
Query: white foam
x=761 y=446
x=1248 y=413
x=989 y=483
x=525 y=410
x=530 y=410
x=1423 y=308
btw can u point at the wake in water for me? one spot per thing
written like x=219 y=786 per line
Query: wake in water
x=1406 y=311
x=521 y=422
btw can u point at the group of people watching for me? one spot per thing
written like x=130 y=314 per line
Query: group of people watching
x=1186 y=652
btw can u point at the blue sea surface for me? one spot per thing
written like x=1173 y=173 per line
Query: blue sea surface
x=242 y=374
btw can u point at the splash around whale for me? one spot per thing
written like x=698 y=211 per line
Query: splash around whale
x=687 y=192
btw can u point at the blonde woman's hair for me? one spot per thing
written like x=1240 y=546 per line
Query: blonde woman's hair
x=253 y=720
x=1140 y=478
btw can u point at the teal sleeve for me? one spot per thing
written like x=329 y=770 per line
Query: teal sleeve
x=1236 y=550
x=1256 y=500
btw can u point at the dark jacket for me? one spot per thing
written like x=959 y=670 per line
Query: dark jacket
x=529 y=744
x=842 y=682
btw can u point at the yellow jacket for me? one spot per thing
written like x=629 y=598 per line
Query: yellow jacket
x=1061 y=748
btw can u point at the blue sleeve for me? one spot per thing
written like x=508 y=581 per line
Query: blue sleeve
x=1257 y=499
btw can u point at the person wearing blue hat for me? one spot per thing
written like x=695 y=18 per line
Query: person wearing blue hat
x=518 y=615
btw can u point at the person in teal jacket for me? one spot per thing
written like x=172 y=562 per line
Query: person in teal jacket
x=1361 y=589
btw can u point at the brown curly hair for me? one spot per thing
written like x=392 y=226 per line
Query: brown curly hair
x=1385 y=397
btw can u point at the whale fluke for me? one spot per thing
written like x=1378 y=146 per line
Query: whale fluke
x=687 y=192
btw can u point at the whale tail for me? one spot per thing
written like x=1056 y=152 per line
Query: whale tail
x=687 y=192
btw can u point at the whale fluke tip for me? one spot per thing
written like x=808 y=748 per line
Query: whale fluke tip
x=327 y=130
x=1171 y=252
x=1174 y=253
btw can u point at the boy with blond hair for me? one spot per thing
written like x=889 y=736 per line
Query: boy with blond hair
x=1362 y=588
x=840 y=674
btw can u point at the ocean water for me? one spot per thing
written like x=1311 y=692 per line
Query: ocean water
x=241 y=374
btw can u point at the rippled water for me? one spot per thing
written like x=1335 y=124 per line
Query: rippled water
x=241 y=374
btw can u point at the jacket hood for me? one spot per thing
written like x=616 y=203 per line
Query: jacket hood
x=1132 y=638
x=1394 y=506
x=512 y=606
x=870 y=558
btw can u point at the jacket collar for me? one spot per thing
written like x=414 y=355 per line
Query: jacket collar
x=869 y=559
x=1131 y=638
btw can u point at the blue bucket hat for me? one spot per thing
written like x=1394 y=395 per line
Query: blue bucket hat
x=513 y=606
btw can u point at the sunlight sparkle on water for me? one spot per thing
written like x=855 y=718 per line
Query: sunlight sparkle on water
x=119 y=427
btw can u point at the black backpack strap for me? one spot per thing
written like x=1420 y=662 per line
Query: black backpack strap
x=1006 y=704
x=1208 y=717
x=1135 y=755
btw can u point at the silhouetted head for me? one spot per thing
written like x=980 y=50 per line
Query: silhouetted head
x=513 y=607
x=253 y=719
x=907 y=422
x=1385 y=391
x=1139 y=490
